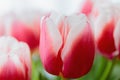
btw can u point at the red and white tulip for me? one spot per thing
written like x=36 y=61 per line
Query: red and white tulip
x=15 y=62
x=26 y=28
x=67 y=45
x=104 y=25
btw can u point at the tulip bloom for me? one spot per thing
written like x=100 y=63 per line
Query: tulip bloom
x=104 y=25
x=66 y=45
x=27 y=33
x=105 y=40
x=15 y=63
x=117 y=37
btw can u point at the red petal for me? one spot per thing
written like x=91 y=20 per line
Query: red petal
x=105 y=41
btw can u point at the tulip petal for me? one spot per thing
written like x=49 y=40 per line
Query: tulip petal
x=24 y=56
x=15 y=59
x=87 y=7
x=78 y=51
x=50 y=44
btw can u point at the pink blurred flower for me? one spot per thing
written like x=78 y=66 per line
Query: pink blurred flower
x=27 y=33
x=66 y=45
x=104 y=25
x=86 y=7
x=26 y=28
x=15 y=63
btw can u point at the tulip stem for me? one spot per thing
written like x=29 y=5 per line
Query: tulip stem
x=109 y=67
x=101 y=67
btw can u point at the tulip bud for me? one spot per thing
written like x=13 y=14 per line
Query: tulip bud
x=66 y=45
x=104 y=25
x=15 y=63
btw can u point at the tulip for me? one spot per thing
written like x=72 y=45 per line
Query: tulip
x=104 y=25
x=27 y=33
x=117 y=37
x=15 y=63
x=66 y=45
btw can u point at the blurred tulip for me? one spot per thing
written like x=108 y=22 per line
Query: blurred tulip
x=104 y=24
x=117 y=37
x=26 y=28
x=66 y=45
x=15 y=63
x=26 y=33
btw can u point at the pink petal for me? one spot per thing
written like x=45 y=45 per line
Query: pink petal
x=87 y=7
x=24 y=56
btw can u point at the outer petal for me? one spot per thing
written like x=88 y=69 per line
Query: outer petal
x=24 y=56
x=50 y=45
x=78 y=51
